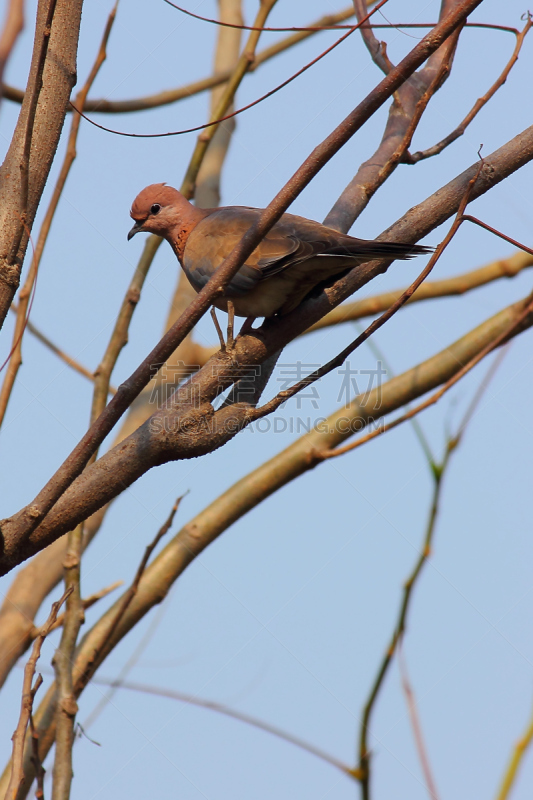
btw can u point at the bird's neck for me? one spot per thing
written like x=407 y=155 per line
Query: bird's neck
x=181 y=232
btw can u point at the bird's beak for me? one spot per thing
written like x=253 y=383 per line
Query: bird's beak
x=136 y=228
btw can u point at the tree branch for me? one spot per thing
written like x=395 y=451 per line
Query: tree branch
x=58 y=75
x=19 y=527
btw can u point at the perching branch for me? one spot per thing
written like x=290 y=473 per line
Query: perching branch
x=20 y=526
x=159 y=443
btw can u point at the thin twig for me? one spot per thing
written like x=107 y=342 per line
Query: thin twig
x=438 y=471
x=61 y=354
x=311 y=28
x=228 y=712
x=434 y=398
x=132 y=591
x=515 y=762
x=28 y=693
x=417 y=727
x=222 y=117
x=86 y=602
x=476 y=221
x=478 y=105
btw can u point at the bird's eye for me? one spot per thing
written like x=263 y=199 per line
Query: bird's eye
x=155 y=209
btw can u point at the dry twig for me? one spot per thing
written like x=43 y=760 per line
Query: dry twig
x=228 y=712
x=478 y=105
x=29 y=690
x=339 y=359
x=515 y=762
x=21 y=525
x=417 y=728
x=438 y=471
x=247 y=493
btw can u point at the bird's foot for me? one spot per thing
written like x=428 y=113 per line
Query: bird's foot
x=226 y=345
x=231 y=324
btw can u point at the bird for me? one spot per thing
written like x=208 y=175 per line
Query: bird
x=296 y=256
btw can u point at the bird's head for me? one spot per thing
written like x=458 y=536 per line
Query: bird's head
x=160 y=209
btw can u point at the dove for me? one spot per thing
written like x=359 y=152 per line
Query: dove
x=296 y=256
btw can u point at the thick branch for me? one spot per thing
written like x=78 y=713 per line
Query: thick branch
x=410 y=102
x=152 y=446
x=58 y=78
x=20 y=526
x=247 y=493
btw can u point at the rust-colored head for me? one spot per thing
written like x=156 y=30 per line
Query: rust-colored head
x=162 y=210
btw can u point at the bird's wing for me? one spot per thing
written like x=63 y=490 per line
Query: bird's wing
x=291 y=241
x=213 y=239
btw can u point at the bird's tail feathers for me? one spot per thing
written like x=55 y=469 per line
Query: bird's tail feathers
x=376 y=249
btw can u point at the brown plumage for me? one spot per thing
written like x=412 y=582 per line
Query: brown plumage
x=296 y=255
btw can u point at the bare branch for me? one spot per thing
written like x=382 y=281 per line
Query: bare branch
x=301 y=456
x=21 y=526
x=26 y=291
x=408 y=106
x=183 y=92
x=227 y=712
x=448 y=287
x=28 y=693
x=58 y=74
x=478 y=105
